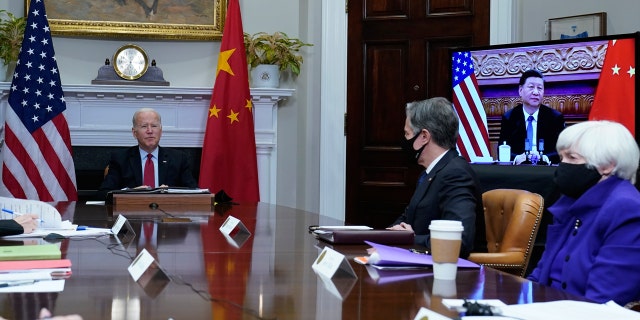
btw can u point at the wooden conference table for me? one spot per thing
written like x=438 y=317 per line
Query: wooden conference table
x=266 y=276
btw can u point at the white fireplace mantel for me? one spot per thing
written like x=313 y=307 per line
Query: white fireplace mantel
x=100 y=115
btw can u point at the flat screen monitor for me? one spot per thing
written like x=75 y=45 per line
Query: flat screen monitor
x=585 y=78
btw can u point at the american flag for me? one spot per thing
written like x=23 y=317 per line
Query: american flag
x=474 y=138
x=37 y=162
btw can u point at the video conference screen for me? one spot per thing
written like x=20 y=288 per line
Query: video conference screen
x=588 y=78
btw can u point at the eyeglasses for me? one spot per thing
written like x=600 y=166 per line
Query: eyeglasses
x=149 y=126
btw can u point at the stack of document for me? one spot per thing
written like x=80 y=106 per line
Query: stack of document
x=65 y=232
x=173 y=190
x=34 y=275
x=48 y=214
x=30 y=252
x=50 y=219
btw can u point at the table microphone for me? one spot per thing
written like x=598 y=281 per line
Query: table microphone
x=170 y=217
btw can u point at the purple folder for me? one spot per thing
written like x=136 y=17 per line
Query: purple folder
x=394 y=256
x=384 y=276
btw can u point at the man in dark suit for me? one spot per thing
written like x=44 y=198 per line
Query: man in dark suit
x=547 y=122
x=450 y=189
x=167 y=167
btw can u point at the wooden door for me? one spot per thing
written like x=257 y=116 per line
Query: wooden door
x=398 y=51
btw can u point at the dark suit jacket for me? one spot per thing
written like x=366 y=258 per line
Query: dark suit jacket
x=513 y=130
x=451 y=191
x=125 y=170
x=10 y=227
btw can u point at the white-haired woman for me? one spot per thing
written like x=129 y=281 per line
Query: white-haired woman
x=593 y=244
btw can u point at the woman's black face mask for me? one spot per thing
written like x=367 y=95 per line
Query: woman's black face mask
x=574 y=180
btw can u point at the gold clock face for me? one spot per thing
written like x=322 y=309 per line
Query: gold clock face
x=130 y=62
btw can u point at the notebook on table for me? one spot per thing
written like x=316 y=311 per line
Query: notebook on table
x=30 y=252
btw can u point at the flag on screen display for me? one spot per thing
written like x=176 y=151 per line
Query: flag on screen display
x=474 y=138
x=229 y=160
x=615 y=97
x=36 y=155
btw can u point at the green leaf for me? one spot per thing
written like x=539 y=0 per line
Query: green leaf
x=276 y=48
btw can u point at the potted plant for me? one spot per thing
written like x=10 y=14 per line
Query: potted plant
x=270 y=54
x=11 y=34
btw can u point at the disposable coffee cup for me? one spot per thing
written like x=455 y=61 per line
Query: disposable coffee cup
x=446 y=240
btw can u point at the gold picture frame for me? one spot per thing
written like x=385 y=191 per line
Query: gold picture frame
x=142 y=19
x=580 y=26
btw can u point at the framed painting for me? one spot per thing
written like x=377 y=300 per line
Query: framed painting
x=146 y=19
x=581 y=26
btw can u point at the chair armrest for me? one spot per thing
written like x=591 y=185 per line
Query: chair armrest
x=497 y=258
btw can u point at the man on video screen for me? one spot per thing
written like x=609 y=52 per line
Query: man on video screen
x=531 y=128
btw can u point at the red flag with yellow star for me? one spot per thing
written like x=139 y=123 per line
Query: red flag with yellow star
x=229 y=159
x=615 y=97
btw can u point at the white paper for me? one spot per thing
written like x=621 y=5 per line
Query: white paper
x=39 y=233
x=39 y=286
x=189 y=191
x=140 y=264
x=488 y=318
x=568 y=309
x=327 y=262
x=48 y=214
x=8 y=276
x=229 y=225
x=115 y=229
x=320 y=228
x=166 y=190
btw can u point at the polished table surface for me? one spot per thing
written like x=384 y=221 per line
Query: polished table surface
x=266 y=276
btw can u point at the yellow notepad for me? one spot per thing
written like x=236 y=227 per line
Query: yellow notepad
x=30 y=252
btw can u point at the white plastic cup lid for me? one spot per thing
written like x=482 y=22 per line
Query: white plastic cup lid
x=446 y=225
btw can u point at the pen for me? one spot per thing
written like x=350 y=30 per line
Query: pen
x=11 y=212
x=16 y=283
x=15 y=213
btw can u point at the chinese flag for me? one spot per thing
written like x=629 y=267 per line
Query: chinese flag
x=228 y=263
x=615 y=97
x=229 y=151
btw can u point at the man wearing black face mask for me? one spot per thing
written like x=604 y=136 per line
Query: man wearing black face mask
x=448 y=188
x=594 y=235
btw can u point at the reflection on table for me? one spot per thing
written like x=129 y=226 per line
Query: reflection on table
x=269 y=276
